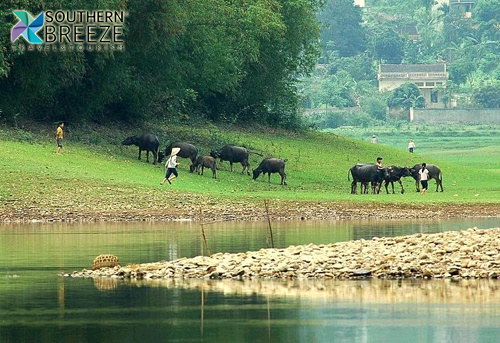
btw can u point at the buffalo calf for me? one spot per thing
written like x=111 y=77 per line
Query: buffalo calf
x=202 y=162
x=394 y=174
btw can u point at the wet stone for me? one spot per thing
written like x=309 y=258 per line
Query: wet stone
x=468 y=254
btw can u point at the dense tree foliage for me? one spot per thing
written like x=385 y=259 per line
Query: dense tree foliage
x=466 y=38
x=488 y=96
x=223 y=60
x=388 y=46
x=342 y=31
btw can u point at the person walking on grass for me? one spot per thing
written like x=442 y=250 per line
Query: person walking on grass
x=411 y=146
x=423 y=177
x=374 y=139
x=59 y=138
x=171 y=167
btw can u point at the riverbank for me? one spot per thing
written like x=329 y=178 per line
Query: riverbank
x=471 y=253
x=193 y=207
x=97 y=179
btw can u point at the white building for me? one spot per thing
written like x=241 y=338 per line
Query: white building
x=359 y=3
x=429 y=78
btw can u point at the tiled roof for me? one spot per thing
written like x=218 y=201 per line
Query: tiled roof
x=413 y=68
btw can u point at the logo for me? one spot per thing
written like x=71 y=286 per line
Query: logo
x=27 y=27
x=70 y=30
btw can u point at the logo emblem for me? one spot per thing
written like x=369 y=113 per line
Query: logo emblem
x=27 y=27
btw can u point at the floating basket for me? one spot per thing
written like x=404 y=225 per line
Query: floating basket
x=106 y=260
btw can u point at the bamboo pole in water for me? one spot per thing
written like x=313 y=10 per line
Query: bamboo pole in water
x=266 y=205
x=202 y=324
x=268 y=320
x=203 y=236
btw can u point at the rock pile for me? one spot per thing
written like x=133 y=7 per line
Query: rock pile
x=471 y=253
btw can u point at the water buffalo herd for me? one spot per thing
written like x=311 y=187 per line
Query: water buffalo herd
x=366 y=175
x=373 y=175
x=231 y=153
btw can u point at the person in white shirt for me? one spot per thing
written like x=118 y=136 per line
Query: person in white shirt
x=374 y=139
x=423 y=177
x=411 y=145
x=171 y=166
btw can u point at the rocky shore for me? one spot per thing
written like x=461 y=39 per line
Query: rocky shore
x=471 y=253
x=187 y=208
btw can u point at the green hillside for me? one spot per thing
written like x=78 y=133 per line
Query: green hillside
x=96 y=173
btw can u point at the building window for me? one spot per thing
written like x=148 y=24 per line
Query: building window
x=429 y=84
x=434 y=97
x=419 y=84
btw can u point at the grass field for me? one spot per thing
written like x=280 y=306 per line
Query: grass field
x=96 y=172
x=464 y=145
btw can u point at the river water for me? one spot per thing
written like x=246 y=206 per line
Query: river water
x=36 y=305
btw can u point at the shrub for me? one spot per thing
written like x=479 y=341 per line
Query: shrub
x=375 y=107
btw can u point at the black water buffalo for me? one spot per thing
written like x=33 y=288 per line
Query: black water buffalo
x=365 y=173
x=269 y=166
x=434 y=173
x=394 y=174
x=187 y=151
x=148 y=142
x=233 y=154
x=204 y=162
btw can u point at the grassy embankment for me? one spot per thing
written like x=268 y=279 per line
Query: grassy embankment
x=95 y=173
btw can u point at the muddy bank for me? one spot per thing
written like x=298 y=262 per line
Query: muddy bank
x=187 y=207
x=466 y=254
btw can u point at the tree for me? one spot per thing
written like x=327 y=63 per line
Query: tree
x=487 y=10
x=406 y=96
x=340 y=90
x=375 y=107
x=456 y=27
x=488 y=96
x=342 y=30
x=486 y=16
x=388 y=46
x=225 y=60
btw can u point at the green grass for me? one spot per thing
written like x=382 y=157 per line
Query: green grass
x=107 y=176
x=464 y=145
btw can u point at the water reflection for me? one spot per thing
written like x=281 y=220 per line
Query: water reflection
x=472 y=291
x=106 y=284
x=265 y=311
x=38 y=306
